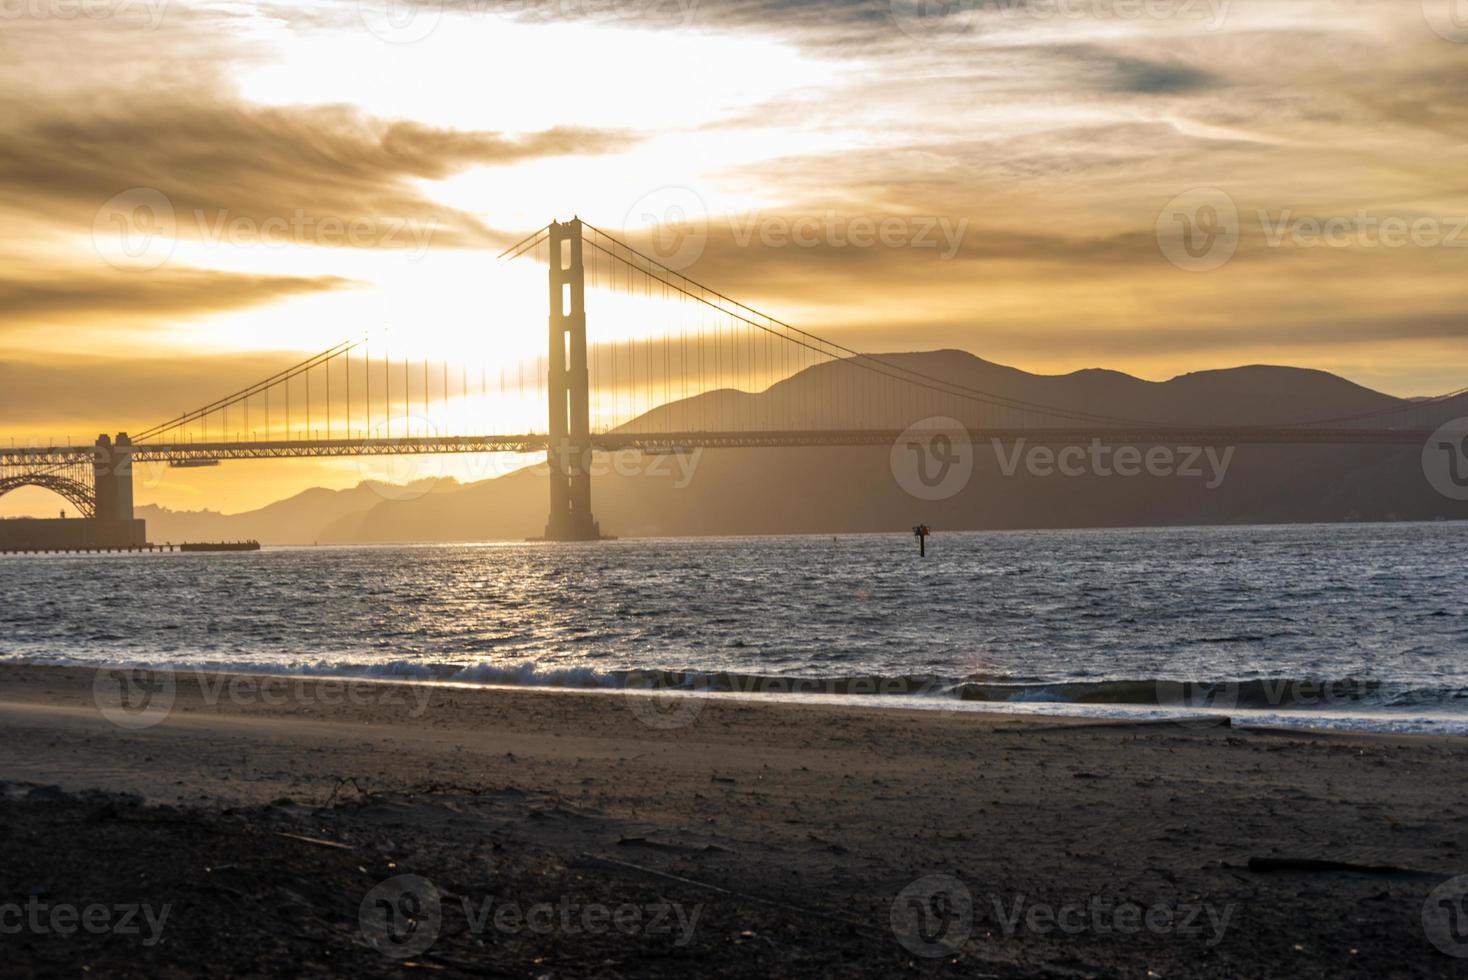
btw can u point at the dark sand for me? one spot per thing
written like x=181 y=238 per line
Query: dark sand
x=788 y=830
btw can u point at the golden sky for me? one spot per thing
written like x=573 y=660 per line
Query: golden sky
x=1043 y=168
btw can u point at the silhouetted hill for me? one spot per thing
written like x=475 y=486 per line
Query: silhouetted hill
x=299 y=519
x=1254 y=395
x=828 y=490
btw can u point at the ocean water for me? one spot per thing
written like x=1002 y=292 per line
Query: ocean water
x=1355 y=626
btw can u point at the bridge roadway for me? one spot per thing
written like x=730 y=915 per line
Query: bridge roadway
x=195 y=452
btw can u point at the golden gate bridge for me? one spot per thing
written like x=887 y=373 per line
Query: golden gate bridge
x=682 y=375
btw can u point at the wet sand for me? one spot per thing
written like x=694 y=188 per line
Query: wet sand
x=577 y=834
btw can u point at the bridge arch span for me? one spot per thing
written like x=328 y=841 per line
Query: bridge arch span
x=78 y=494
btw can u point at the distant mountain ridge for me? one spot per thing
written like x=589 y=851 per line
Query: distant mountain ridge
x=830 y=490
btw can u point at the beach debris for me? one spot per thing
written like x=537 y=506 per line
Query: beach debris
x=1318 y=866
x=315 y=840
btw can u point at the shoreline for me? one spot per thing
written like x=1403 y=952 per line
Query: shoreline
x=798 y=831
x=919 y=695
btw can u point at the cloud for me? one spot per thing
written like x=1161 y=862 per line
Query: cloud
x=217 y=160
x=79 y=295
x=1159 y=78
x=80 y=393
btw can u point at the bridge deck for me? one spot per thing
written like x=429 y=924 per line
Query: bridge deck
x=182 y=452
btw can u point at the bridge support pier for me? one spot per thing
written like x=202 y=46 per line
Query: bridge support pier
x=569 y=454
x=112 y=476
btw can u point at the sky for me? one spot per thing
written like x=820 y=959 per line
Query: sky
x=197 y=194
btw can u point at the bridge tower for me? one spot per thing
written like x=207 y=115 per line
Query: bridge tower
x=569 y=454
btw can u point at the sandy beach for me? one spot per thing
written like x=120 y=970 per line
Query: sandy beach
x=264 y=824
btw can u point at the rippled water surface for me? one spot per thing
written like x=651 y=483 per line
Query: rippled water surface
x=1364 y=620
